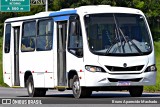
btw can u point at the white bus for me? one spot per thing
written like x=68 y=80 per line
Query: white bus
x=89 y=48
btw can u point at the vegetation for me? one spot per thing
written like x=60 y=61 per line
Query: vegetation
x=1 y=77
x=149 y=7
x=157 y=53
x=1 y=73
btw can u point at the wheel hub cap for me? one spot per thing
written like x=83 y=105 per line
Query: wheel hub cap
x=30 y=88
x=76 y=86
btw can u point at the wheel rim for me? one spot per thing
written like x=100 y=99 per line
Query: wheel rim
x=76 y=86
x=30 y=87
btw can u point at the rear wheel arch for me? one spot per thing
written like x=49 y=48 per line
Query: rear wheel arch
x=79 y=91
x=71 y=74
x=26 y=76
x=32 y=91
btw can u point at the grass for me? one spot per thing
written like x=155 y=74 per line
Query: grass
x=157 y=86
x=154 y=88
x=1 y=73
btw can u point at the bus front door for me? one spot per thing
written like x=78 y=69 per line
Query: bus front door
x=61 y=52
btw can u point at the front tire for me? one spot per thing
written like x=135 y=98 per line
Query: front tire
x=34 y=92
x=136 y=91
x=78 y=91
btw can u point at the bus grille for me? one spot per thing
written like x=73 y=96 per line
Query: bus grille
x=132 y=80
x=132 y=68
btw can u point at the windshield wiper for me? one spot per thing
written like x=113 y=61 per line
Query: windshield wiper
x=128 y=40
x=119 y=33
x=116 y=38
x=136 y=47
x=115 y=41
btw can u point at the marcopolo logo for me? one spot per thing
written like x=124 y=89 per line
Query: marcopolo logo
x=125 y=65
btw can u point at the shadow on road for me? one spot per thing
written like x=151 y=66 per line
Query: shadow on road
x=101 y=95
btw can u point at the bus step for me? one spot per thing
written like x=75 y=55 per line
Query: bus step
x=16 y=87
x=61 y=88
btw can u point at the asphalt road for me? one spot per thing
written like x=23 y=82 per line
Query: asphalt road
x=66 y=98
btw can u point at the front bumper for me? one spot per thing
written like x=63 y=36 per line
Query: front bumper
x=97 y=79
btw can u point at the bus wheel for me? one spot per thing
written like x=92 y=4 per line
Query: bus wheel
x=79 y=91
x=136 y=91
x=34 y=92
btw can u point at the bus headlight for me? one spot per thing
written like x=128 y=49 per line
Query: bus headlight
x=94 y=68
x=151 y=68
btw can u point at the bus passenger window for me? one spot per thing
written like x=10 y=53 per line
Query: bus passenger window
x=45 y=35
x=75 y=44
x=7 y=38
x=28 y=36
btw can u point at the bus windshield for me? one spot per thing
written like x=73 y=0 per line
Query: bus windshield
x=117 y=34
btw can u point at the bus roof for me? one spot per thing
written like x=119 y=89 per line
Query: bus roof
x=106 y=9
x=80 y=10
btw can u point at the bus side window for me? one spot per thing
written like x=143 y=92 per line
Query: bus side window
x=75 y=44
x=28 y=36
x=45 y=35
x=7 y=38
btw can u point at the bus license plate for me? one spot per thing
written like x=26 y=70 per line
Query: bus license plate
x=123 y=83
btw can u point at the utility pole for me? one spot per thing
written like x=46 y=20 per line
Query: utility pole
x=46 y=6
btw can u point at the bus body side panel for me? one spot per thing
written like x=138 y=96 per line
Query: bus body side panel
x=55 y=53
x=46 y=65
x=76 y=64
x=73 y=63
x=41 y=66
x=7 y=66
